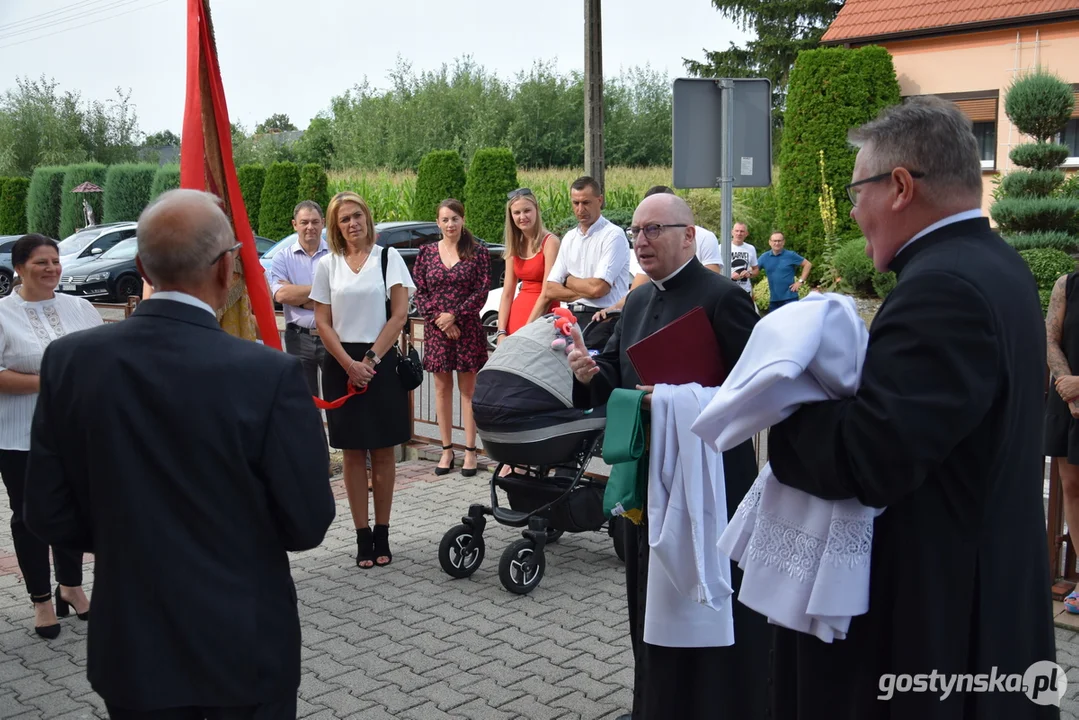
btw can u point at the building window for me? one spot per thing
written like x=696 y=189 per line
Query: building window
x=1070 y=137
x=986 y=135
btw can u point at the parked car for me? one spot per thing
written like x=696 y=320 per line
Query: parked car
x=94 y=240
x=409 y=236
x=266 y=256
x=7 y=270
x=110 y=276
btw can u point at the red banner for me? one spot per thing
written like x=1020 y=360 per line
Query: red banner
x=206 y=157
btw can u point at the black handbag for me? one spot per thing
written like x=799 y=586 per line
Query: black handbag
x=409 y=367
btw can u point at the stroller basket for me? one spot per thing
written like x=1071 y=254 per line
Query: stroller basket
x=580 y=511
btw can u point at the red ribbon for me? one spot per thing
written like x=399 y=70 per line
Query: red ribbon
x=334 y=404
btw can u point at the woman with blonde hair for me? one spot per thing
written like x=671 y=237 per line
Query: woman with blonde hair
x=533 y=251
x=360 y=310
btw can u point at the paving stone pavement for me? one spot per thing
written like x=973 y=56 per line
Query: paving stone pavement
x=408 y=641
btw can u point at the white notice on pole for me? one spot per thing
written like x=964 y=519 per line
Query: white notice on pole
x=747 y=166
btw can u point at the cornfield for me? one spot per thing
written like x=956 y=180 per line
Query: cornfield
x=391 y=194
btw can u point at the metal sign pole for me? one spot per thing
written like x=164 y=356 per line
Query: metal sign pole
x=726 y=181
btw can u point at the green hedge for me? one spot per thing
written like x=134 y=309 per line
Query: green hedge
x=252 y=178
x=760 y=215
x=1053 y=239
x=43 y=202
x=884 y=283
x=167 y=178
x=127 y=191
x=491 y=176
x=71 y=212
x=314 y=185
x=854 y=266
x=441 y=175
x=13 y=193
x=1031 y=214
x=278 y=200
x=831 y=90
x=1048 y=265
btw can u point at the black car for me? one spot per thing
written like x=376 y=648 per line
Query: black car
x=110 y=276
x=409 y=236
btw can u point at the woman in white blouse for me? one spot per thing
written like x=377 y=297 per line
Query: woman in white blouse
x=30 y=318
x=360 y=317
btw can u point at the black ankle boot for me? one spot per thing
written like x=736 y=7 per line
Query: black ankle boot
x=365 y=548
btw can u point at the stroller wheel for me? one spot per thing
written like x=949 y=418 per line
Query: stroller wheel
x=461 y=551
x=521 y=567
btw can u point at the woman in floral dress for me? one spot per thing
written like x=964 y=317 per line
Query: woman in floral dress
x=452 y=278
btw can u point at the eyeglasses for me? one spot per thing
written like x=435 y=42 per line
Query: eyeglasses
x=224 y=252
x=852 y=194
x=519 y=192
x=651 y=231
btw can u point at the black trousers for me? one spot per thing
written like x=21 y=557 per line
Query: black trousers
x=32 y=553
x=282 y=710
x=311 y=352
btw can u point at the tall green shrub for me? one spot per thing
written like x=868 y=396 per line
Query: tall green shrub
x=1047 y=265
x=13 y=193
x=441 y=175
x=1029 y=211
x=71 y=211
x=831 y=90
x=127 y=190
x=314 y=185
x=278 y=200
x=251 y=178
x=167 y=178
x=491 y=176
x=43 y=202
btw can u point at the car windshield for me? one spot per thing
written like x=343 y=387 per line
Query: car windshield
x=123 y=250
x=77 y=242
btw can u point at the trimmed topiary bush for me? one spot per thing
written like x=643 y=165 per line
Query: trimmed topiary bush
x=13 y=193
x=441 y=175
x=71 y=209
x=127 y=191
x=278 y=200
x=252 y=178
x=167 y=178
x=1053 y=239
x=831 y=90
x=491 y=176
x=43 y=202
x=314 y=185
x=1047 y=265
x=1040 y=105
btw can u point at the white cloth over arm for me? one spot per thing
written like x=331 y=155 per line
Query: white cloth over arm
x=806 y=560
x=689 y=579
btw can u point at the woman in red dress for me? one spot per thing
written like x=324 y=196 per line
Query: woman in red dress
x=452 y=279
x=533 y=251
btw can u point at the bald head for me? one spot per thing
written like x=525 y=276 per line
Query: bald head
x=179 y=236
x=672 y=247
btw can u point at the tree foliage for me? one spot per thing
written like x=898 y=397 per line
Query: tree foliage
x=314 y=185
x=278 y=122
x=441 y=175
x=782 y=29
x=127 y=191
x=251 y=179
x=491 y=176
x=13 y=192
x=278 y=200
x=43 y=201
x=166 y=178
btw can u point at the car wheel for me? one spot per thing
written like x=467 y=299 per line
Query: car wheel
x=127 y=286
x=490 y=329
x=5 y=283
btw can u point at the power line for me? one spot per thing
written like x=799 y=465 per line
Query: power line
x=114 y=5
x=43 y=16
x=83 y=25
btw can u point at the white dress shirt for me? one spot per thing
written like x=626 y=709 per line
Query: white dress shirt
x=182 y=297
x=357 y=300
x=26 y=329
x=603 y=252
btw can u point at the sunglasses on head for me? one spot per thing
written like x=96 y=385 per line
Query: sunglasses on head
x=519 y=192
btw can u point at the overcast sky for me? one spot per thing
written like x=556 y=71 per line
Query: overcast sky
x=293 y=57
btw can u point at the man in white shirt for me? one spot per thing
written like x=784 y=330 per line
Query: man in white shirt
x=743 y=258
x=706 y=250
x=591 y=271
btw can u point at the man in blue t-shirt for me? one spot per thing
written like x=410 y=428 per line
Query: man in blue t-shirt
x=779 y=265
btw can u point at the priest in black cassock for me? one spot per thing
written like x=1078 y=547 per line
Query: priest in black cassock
x=717 y=683
x=945 y=433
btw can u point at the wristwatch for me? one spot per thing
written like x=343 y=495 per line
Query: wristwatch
x=370 y=355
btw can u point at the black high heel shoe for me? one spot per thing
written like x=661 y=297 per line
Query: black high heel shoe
x=382 y=545
x=365 y=549
x=63 y=607
x=49 y=632
x=468 y=472
x=453 y=459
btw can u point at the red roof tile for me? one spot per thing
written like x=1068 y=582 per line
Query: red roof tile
x=873 y=18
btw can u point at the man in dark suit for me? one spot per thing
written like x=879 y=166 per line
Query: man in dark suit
x=945 y=433
x=189 y=462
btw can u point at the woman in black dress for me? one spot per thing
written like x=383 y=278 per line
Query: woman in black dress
x=360 y=338
x=1062 y=408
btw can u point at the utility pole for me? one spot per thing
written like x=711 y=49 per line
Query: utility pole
x=593 y=92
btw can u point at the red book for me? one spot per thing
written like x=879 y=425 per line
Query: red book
x=682 y=352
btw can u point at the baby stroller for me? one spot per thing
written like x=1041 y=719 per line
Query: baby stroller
x=524 y=414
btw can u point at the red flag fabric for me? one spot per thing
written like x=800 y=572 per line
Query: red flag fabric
x=206 y=161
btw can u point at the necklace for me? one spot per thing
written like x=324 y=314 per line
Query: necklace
x=357 y=260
